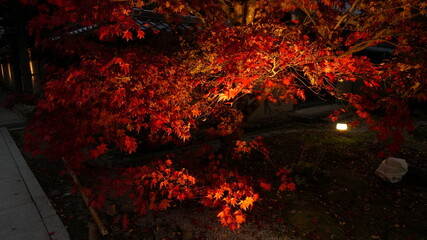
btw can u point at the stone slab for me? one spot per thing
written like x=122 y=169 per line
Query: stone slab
x=23 y=188
x=8 y=168
x=13 y=193
x=13 y=189
x=36 y=191
x=21 y=223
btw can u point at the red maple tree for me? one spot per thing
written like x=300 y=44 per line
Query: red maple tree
x=119 y=81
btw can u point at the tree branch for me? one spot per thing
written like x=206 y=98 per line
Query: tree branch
x=224 y=6
x=344 y=16
x=362 y=45
x=197 y=14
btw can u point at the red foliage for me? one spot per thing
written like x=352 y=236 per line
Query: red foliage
x=117 y=85
x=150 y=187
x=230 y=192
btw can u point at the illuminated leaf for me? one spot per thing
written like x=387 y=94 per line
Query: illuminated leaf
x=218 y=195
x=265 y=186
x=127 y=35
x=141 y=34
x=233 y=201
x=247 y=203
x=240 y=218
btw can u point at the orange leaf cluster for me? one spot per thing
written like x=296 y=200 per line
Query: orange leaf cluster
x=232 y=193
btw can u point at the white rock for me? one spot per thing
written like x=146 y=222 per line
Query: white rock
x=392 y=169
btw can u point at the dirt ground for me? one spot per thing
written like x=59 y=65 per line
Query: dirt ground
x=338 y=195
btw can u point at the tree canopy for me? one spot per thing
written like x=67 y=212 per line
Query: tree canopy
x=118 y=81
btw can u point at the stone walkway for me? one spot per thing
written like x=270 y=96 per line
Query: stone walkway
x=25 y=211
x=10 y=120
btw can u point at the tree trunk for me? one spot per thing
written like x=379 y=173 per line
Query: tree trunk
x=250 y=8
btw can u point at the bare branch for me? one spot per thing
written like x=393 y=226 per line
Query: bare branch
x=349 y=11
x=362 y=45
x=197 y=14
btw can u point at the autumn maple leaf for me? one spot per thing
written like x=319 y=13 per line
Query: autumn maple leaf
x=240 y=218
x=165 y=203
x=287 y=186
x=127 y=35
x=130 y=144
x=153 y=206
x=218 y=195
x=141 y=34
x=104 y=32
x=247 y=203
x=102 y=148
x=233 y=201
x=168 y=162
x=286 y=81
x=265 y=186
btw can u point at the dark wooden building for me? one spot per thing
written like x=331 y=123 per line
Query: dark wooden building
x=18 y=70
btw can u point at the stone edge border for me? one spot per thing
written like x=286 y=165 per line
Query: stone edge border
x=52 y=222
